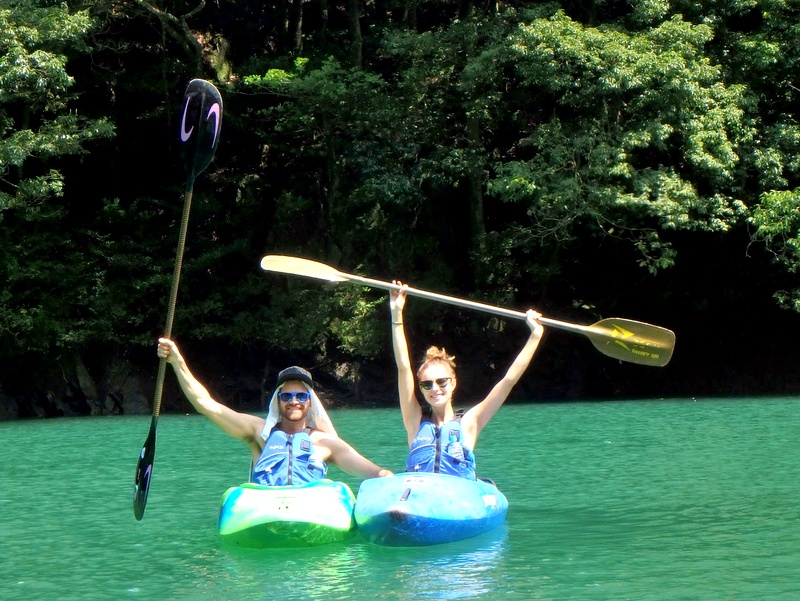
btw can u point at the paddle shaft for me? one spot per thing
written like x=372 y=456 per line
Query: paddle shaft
x=467 y=304
x=173 y=296
x=144 y=466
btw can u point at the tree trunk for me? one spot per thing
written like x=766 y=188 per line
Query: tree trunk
x=356 y=42
x=295 y=26
x=329 y=195
x=323 y=28
x=282 y=25
x=410 y=14
x=475 y=188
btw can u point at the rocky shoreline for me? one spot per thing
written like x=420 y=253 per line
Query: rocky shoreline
x=125 y=387
x=125 y=384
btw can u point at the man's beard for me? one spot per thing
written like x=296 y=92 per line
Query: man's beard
x=289 y=414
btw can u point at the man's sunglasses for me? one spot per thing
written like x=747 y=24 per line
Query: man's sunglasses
x=440 y=382
x=288 y=397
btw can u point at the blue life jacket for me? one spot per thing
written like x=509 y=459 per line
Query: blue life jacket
x=429 y=450
x=288 y=459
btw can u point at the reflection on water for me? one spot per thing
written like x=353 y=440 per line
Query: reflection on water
x=463 y=570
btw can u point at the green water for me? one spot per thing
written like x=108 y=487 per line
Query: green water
x=656 y=500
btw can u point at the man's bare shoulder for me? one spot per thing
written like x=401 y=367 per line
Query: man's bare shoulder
x=255 y=426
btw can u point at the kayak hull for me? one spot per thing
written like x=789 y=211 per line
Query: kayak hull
x=257 y=516
x=416 y=509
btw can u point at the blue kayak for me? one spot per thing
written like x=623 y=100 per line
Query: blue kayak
x=253 y=515
x=414 y=509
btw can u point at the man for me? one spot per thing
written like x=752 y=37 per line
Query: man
x=296 y=439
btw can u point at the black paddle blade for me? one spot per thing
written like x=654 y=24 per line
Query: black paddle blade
x=144 y=469
x=201 y=120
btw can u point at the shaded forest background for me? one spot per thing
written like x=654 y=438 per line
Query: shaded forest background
x=633 y=159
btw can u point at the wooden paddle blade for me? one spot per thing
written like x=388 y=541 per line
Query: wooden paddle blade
x=632 y=341
x=144 y=469
x=304 y=267
x=201 y=120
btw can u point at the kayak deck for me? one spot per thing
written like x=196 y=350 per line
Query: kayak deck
x=414 y=509
x=257 y=516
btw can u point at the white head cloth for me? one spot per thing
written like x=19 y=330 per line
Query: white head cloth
x=317 y=417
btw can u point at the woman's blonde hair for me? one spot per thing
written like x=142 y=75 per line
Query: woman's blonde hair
x=437 y=356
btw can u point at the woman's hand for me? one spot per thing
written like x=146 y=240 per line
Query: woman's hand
x=532 y=319
x=397 y=301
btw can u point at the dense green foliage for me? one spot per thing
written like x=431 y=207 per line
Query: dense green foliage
x=580 y=157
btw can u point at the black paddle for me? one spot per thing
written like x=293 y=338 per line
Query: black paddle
x=623 y=339
x=201 y=118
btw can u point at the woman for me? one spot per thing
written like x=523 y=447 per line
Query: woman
x=440 y=440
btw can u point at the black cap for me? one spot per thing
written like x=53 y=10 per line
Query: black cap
x=295 y=373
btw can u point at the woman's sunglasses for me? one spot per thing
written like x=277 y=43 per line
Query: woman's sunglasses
x=288 y=397
x=440 y=382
